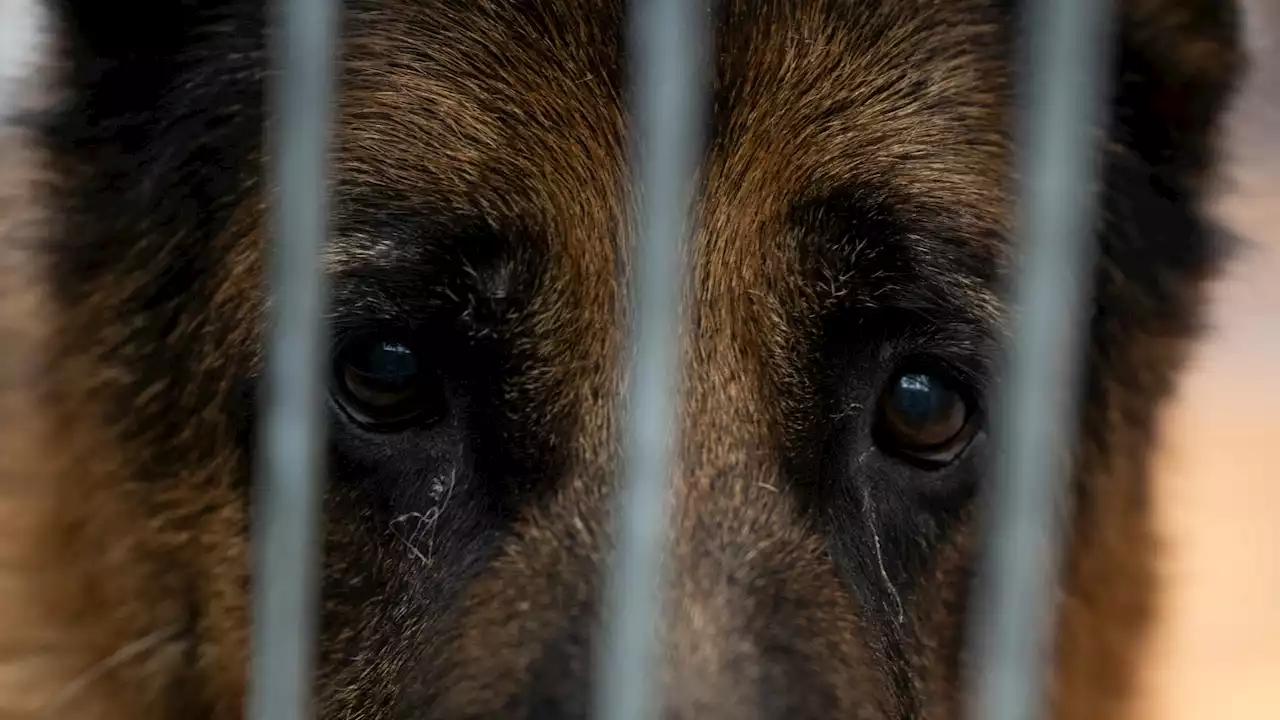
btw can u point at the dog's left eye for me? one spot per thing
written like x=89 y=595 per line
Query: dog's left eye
x=924 y=415
x=385 y=383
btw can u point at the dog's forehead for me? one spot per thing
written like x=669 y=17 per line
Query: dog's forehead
x=516 y=113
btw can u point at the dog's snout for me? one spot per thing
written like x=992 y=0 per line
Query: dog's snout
x=755 y=622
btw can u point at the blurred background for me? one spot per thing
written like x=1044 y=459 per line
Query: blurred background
x=1217 y=654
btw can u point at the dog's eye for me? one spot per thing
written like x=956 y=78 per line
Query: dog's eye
x=385 y=383
x=924 y=415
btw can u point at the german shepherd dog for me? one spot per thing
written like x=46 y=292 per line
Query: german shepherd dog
x=853 y=238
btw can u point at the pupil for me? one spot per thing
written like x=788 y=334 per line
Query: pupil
x=921 y=401
x=388 y=366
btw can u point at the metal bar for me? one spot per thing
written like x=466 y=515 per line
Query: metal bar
x=1067 y=60
x=287 y=507
x=669 y=102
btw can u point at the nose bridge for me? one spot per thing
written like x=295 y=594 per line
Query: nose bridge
x=755 y=623
x=736 y=306
x=729 y=512
x=727 y=516
x=726 y=491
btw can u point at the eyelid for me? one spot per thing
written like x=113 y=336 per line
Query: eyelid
x=967 y=351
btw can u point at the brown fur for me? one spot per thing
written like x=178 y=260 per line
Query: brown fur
x=854 y=207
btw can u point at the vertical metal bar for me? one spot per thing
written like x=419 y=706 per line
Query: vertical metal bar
x=1067 y=60
x=668 y=96
x=287 y=508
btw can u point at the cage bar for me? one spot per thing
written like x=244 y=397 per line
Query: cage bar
x=290 y=476
x=1066 y=56
x=669 y=99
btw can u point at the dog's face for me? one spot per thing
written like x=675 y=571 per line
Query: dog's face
x=853 y=237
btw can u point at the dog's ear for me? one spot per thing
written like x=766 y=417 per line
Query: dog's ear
x=133 y=28
x=126 y=55
x=1178 y=66
x=129 y=59
x=158 y=100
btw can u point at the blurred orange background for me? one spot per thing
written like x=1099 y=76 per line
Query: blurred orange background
x=1217 y=653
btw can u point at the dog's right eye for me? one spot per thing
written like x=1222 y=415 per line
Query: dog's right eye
x=925 y=415
x=385 y=383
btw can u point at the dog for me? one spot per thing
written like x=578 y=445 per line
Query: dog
x=854 y=233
